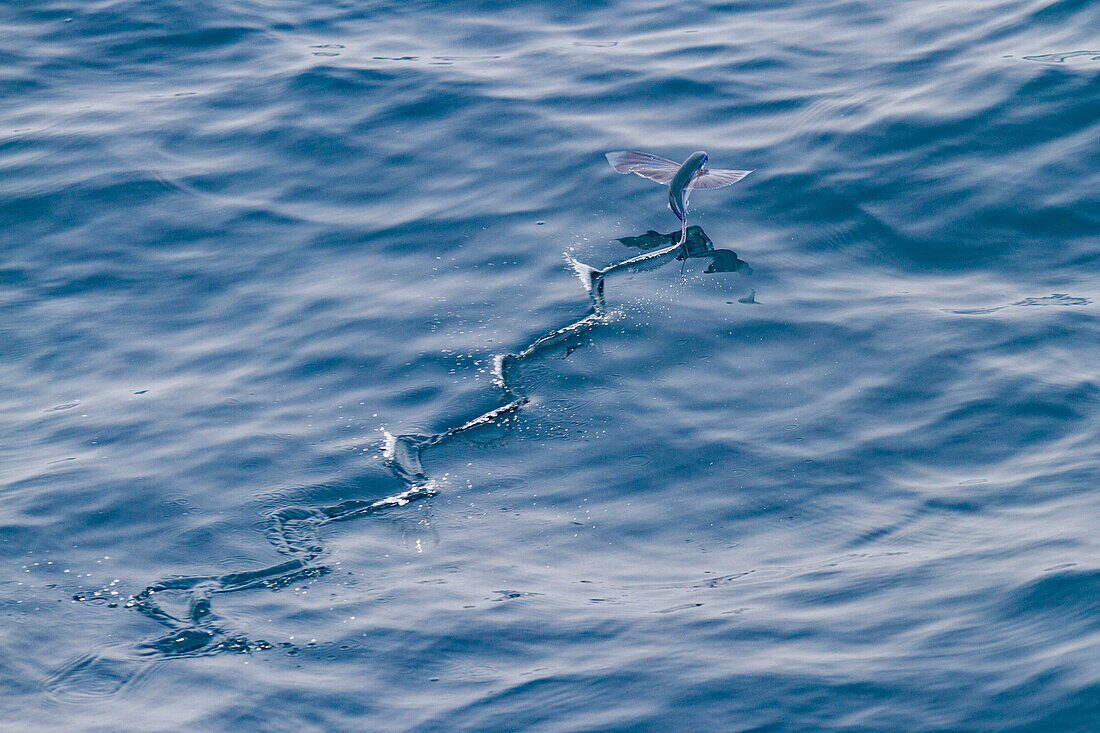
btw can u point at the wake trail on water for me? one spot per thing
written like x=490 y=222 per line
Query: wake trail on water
x=185 y=604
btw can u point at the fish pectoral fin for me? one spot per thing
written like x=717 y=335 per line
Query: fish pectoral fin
x=717 y=178
x=653 y=167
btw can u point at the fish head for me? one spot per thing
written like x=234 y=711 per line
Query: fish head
x=695 y=163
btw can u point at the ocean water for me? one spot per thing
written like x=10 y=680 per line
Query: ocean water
x=307 y=423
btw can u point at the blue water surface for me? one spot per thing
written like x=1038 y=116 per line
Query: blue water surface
x=306 y=422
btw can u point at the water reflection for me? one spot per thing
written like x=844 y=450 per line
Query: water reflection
x=697 y=244
x=661 y=249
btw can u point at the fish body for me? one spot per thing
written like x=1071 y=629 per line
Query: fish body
x=679 y=188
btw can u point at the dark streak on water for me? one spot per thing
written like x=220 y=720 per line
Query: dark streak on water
x=853 y=487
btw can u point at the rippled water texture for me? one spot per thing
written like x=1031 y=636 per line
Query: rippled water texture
x=307 y=422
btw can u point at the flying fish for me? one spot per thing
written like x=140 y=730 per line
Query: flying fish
x=681 y=178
